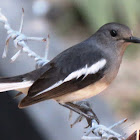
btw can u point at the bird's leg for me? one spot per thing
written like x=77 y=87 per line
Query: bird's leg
x=86 y=108
x=83 y=108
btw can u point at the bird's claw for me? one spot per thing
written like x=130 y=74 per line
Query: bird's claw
x=99 y=131
x=84 y=107
x=78 y=119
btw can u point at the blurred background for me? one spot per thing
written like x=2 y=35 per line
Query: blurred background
x=68 y=22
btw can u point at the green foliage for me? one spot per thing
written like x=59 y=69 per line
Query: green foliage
x=99 y=12
x=134 y=107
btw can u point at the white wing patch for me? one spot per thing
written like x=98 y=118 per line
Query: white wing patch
x=76 y=74
x=51 y=87
x=86 y=70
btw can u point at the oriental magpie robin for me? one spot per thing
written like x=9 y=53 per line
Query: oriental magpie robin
x=78 y=73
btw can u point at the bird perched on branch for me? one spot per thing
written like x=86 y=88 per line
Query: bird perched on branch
x=78 y=73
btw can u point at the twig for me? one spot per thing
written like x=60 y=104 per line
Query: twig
x=102 y=132
x=20 y=40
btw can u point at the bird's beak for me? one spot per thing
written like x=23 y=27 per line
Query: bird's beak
x=132 y=39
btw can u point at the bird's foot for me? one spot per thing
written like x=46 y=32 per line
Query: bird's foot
x=84 y=110
x=85 y=107
x=100 y=131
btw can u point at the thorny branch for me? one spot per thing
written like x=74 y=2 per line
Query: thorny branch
x=20 y=40
x=100 y=132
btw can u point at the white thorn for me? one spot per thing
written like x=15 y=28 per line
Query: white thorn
x=6 y=47
x=4 y=53
x=118 y=123
x=47 y=48
x=2 y=17
x=22 y=20
x=36 y=39
x=15 y=56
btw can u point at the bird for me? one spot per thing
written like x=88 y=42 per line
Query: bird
x=79 y=72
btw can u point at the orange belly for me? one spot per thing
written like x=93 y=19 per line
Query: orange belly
x=83 y=93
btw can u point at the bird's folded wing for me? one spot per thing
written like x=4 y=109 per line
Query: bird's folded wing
x=70 y=71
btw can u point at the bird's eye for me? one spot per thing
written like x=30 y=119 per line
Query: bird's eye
x=113 y=33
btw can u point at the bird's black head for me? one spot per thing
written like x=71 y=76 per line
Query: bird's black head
x=115 y=34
